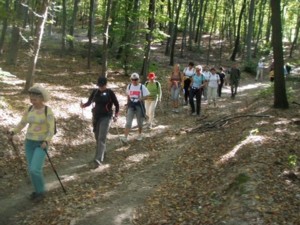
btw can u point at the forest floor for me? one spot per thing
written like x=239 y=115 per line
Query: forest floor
x=237 y=164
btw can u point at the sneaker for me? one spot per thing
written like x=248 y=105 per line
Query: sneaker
x=124 y=139
x=194 y=114
x=176 y=110
x=140 y=137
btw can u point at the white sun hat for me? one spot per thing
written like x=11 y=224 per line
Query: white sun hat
x=39 y=90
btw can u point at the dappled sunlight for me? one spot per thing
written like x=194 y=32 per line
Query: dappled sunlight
x=137 y=157
x=126 y=215
x=251 y=139
x=253 y=86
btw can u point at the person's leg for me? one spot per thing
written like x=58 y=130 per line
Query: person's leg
x=257 y=74
x=101 y=143
x=36 y=165
x=129 y=119
x=209 y=94
x=214 y=93
x=152 y=106
x=191 y=98
x=176 y=96
x=205 y=93
x=232 y=90
x=147 y=108
x=140 y=120
x=198 y=101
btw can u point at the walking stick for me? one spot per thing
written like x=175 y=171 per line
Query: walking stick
x=55 y=172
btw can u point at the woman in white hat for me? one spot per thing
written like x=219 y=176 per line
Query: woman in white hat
x=38 y=136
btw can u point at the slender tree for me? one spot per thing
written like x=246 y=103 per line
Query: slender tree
x=149 y=39
x=294 y=44
x=280 y=97
x=105 y=39
x=42 y=11
x=72 y=24
x=4 y=25
x=250 y=30
x=237 y=39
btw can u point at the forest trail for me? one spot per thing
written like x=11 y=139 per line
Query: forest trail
x=112 y=193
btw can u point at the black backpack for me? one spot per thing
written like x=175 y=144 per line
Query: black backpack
x=46 y=111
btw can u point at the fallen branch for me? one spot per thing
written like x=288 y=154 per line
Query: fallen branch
x=220 y=122
x=296 y=103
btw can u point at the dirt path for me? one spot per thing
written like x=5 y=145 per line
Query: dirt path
x=131 y=173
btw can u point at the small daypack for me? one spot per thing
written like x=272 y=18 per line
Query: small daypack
x=156 y=82
x=46 y=112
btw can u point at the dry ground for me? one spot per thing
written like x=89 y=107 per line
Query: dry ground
x=235 y=171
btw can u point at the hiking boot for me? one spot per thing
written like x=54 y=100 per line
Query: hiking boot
x=140 y=137
x=37 y=197
x=124 y=139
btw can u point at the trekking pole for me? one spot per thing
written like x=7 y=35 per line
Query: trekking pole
x=55 y=172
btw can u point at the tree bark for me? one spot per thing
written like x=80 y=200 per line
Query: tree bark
x=250 y=30
x=4 y=27
x=105 y=39
x=40 y=26
x=72 y=24
x=280 y=97
x=237 y=39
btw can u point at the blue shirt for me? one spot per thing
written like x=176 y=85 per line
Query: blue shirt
x=198 y=81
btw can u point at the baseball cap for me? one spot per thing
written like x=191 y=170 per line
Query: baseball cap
x=134 y=76
x=102 y=81
x=151 y=76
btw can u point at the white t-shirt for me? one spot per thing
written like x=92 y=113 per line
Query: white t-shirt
x=206 y=74
x=213 y=80
x=261 y=65
x=189 y=72
x=134 y=92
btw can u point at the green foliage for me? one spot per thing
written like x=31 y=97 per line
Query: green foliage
x=250 y=66
x=69 y=37
x=292 y=160
x=265 y=49
x=267 y=92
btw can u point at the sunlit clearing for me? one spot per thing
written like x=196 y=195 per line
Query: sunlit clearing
x=251 y=139
x=137 y=157
x=123 y=216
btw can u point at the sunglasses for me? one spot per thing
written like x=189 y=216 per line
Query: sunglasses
x=134 y=79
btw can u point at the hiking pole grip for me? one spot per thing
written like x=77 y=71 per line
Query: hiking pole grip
x=62 y=186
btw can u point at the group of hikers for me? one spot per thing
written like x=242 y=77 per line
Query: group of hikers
x=194 y=81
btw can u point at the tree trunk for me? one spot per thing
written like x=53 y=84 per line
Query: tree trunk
x=174 y=33
x=237 y=39
x=250 y=30
x=4 y=27
x=294 y=44
x=64 y=27
x=105 y=39
x=171 y=11
x=149 y=39
x=90 y=32
x=12 y=55
x=72 y=24
x=40 y=26
x=260 y=26
x=211 y=31
x=280 y=98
